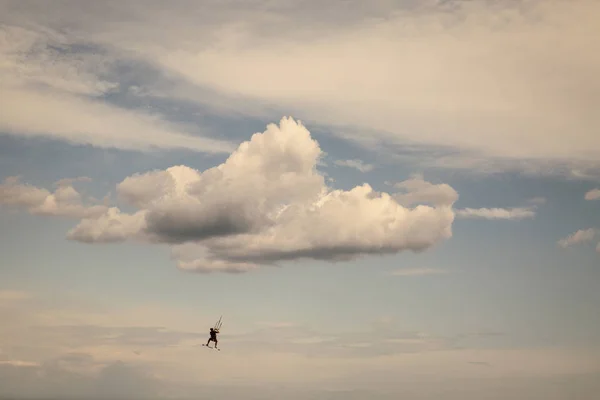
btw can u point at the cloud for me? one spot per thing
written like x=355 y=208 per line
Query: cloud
x=64 y=201
x=431 y=75
x=356 y=164
x=13 y=295
x=418 y=271
x=277 y=325
x=537 y=200
x=267 y=203
x=369 y=343
x=110 y=227
x=593 y=194
x=581 y=236
x=53 y=87
x=19 y=363
x=114 y=381
x=482 y=363
x=416 y=190
x=496 y=213
x=434 y=75
x=89 y=360
x=137 y=337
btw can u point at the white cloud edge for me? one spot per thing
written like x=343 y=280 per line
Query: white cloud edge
x=356 y=164
x=579 y=237
x=593 y=194
x=516 y=213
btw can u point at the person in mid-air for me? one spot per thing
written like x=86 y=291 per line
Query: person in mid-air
x=213 y=337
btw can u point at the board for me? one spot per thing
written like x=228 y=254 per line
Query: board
x=211 y=347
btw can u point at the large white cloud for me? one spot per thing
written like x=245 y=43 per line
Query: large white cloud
x=268 y=203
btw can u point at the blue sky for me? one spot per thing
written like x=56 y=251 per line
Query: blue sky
x=221 y=150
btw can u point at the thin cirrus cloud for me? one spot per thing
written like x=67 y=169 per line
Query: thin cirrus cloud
x=496 y=213
x=49 y=90
x=537 y=200
x=266 y=204
x=433 y=75
x=419 y=272
x=356 y=164
x=475 y=76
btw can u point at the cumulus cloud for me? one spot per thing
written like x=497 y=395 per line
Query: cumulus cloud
x=110 y=227
x=268 y=203
x=593 y=194
x=581 y=236
x=65 y=200
x=356 y=164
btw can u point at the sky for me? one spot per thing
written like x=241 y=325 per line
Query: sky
x=384 y=199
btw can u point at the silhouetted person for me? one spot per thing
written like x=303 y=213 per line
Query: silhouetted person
x=213 y=337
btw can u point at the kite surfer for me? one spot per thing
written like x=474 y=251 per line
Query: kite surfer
x=213 y=334
x=213 y=337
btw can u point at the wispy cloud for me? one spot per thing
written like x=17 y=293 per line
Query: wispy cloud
x=356 y=164
x=419 y=272
x=482 y=363
x=593 y=194
x=467 y=67
x=537 y=200
x=91 y=359
x=410 y=100
x=277 y=325
x=496 y=213
x=10 y=295
x=581 y=236
x=53 y=87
